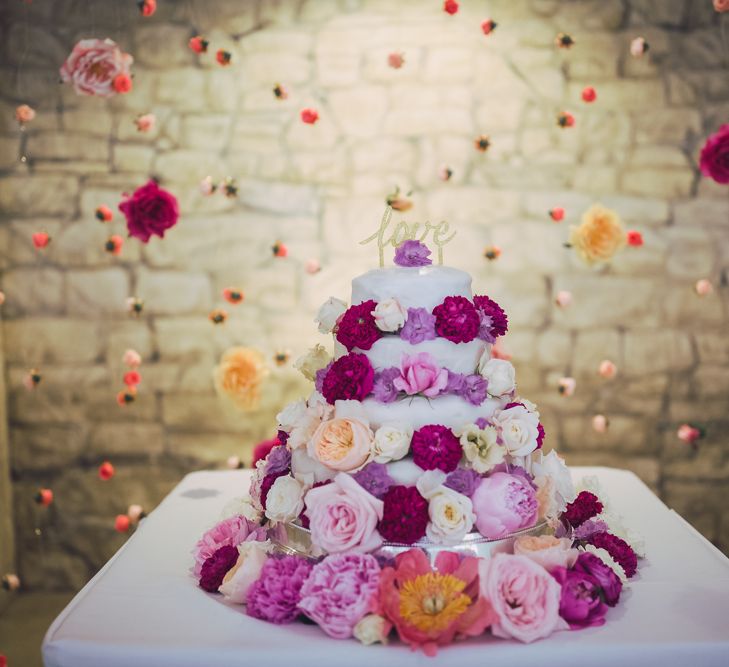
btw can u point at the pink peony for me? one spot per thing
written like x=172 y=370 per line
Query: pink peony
x=230 y=532
x=343 y=517
x=94 y=65
x=339 y=592
x=421 y=375
x=714 y=160
x=150 y=211
x=547 y=550
x=504 y=504
x=524 y=596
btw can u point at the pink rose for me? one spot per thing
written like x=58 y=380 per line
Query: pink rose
x=721 y=6
x=547 y=550
x=421 y=375
x=341 y=444
x=94 y=65
x=343 y=517
x=150 y=211
x=714 y=161
x=504 y=504
x=524 y=596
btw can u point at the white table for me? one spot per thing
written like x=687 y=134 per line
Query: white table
x=144 y=610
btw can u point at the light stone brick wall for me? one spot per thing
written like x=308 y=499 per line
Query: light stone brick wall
x=320 y=189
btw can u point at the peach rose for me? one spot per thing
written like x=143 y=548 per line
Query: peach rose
x=239 y=376
x=546 y=550
x=341 y=444
x=24 y=113
x=599 y=236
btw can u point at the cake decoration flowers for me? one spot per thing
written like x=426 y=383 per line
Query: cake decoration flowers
x=404 y=515
x=358 y=328
x=420 y=374
x=350 y=377
x=389 y=315
x=480 y=447
x=419 y=326
x=412 y=253
x=275 y=595
x=457 y=319
x=436 y=447
x=504 y=504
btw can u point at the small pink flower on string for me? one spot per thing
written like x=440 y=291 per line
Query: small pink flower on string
x=607 y=369
x=32 y=379
x=563 y=298
x=132 y=358
x=690 y=434
x=703 y=287
x=24 y=114
x=556 y=213
x=566 y=386
x=396 y=59
x=600 y=423
x=312 y=266
x=309 y=116
x=146 y=122
x=106 y=471
x=41 y=240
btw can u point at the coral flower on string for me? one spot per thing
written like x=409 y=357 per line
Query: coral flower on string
x=106 y=471
x=24 y=114
x=557 y=213
x=122 y=83
x=309 y=116
x=132 y=378
x=145 y=122
x=122 y=523
x=104 y=214
x=703 y=287
x=488 y=26
x=565 y=119
x=198 y=44
x=44 y=497
x=41 y=239
x=280 y=92
x=396 y=59
x=223 y=57
x=114 y=244
x=634 y=238
x=589 y=94
x=233 y=295
x=126 y=396
x=450 y=7
x=279 y=249
x=147 y=7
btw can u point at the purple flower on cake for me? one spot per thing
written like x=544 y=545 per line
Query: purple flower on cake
x=275 y=596
x=588 y=528
x=436 y=447
x=343 y=517
x=412 y=253
x=278 y=460
x=474 y=389
x=216 y=567
x=230 y=532
x=339 y=592
x=357 y=327
x=603 y=574
x=492 y=319
x=463 y=480
x=419 y=326
x=518 y=429
x=405 y=515
x=420 y=374
x=580 y=602
x=320 y=375
x=619 y=550
x=456 y=319
x=374 y=479
x=504 y=504
x=350 y=377
x=455 y=384
x=584 y=507
x=384 y=389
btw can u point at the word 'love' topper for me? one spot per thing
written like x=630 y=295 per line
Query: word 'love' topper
x=405 y=231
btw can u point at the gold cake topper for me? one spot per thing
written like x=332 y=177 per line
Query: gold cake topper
x=405 y=231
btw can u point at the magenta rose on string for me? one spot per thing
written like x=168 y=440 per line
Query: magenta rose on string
x=714 y=160
x=150 y=211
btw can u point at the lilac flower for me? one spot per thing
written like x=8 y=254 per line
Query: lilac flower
x=412 y=253
x=463 y=480
x=589 y=528
x=278 y=461
x=474 y=389
x=485 y=328
x=456 y=383
x=384 y=389
x=320 y=375
x=374 y=479
x=419 y=326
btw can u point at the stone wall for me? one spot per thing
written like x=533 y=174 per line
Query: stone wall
x=320 y=189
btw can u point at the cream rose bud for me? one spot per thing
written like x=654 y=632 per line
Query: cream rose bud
x=391 y=443
x=241 y=507
x=451 y=513
x=499 y=373
x=481 y=448
x=314 y=360
x=285 y=499
x=552 y=467
x=291 y=415
x=371 y=629
x=245 y=572
x=329 y=313
x=518 y=429
x=389 y=315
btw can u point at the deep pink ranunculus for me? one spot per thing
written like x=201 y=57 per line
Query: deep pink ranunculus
x=714 y=161
x=150 y=211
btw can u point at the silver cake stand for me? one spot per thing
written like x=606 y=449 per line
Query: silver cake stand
x=295 y=540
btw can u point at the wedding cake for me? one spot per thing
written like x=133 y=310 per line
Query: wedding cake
x=410 y=490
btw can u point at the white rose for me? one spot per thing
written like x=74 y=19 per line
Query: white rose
x=481 y=448
x=247 y=570
x=451 y=513
x=499 y=373
x=329 y=313
x=552 y=467
x=617 y=527
x=389 y=315
x=391 y=442
x=241 y=507
x=305 y=467
x=371 y=629
x=518 y=430
x=291 y=415
x=314 y=360
x=285 y=499
x=316 y=412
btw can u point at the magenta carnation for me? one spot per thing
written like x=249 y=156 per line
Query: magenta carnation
x=350 y=377
x=584 y=507
x=609 y=581
x=405 y=515
x=620 y=551
x=216 y=567
x=275 y=596
x=714 y=160
x=150 y=211
x=492 y=319
x=339 y=592
x=357 y=327
x=456 y=319
x=435 y=446
x=230 y=532
x=580 y=602
x=540 y=435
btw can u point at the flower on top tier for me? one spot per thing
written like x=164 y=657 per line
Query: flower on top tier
x=504 y=504
x=405 y=515
x=436 y=447
x=357 y=327
x=456 y=319
x=419 y=326
x=714 y=161
x=275 y=596
x=431 y=608
x=339 y=592
x=350 y=377
x=420 y=374
x=412 y=253
x=493 y=321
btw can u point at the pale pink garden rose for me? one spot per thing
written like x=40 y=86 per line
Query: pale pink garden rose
x=94 y=65
x=420 y=374
x=547 y=550
x=600 y=423
x=524 y=596
x=132 y=358
x=343 y=517
x=341 y=444
x=703 y=287
x=563 y=298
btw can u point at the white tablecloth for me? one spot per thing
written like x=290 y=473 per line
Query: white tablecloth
x=144 y=610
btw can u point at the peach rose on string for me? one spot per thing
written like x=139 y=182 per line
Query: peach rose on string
x=239 y=376
x=97 y=67
x=150 y=211
x=599 y=236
